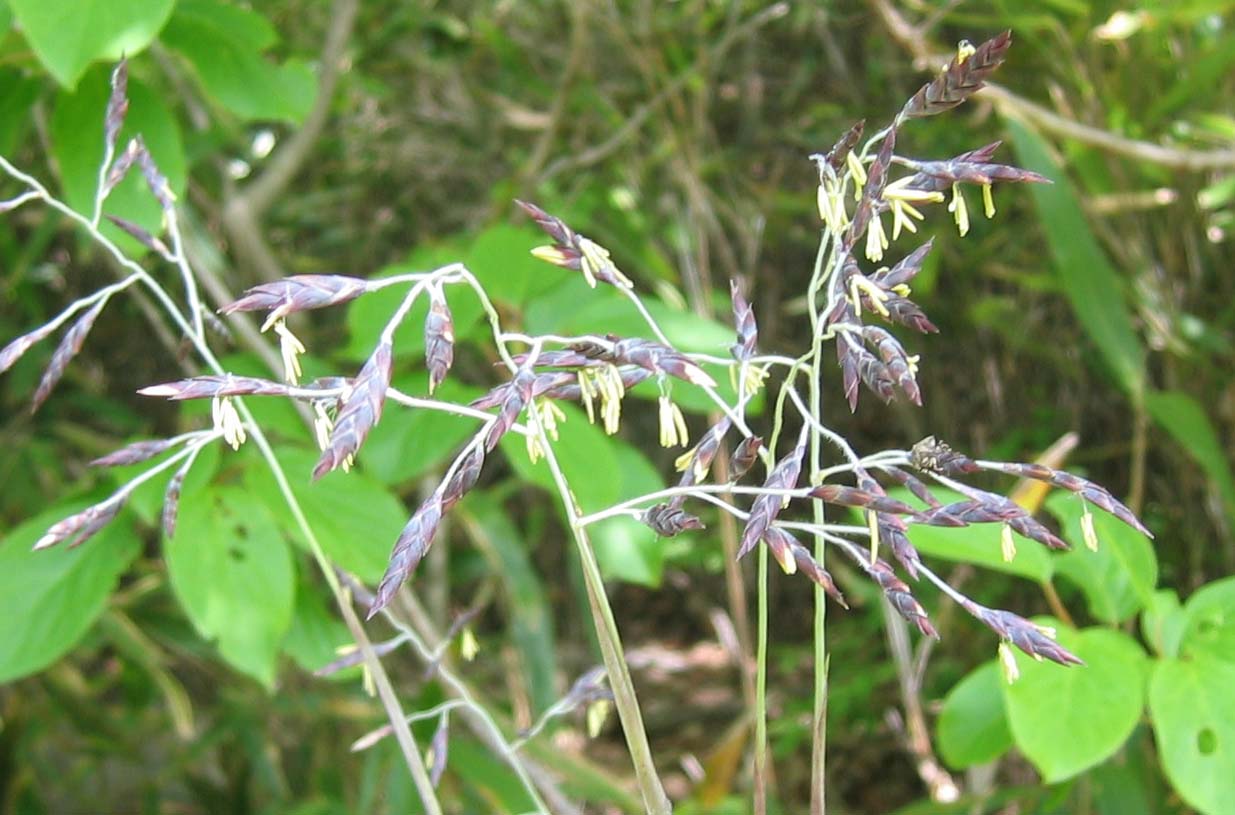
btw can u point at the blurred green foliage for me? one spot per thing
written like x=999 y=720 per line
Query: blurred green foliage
x=152 y=675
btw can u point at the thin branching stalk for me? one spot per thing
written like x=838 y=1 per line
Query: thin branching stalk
x=189 y=329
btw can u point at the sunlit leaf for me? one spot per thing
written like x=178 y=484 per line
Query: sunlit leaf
x=1193 y=713
x=355 y=518
x=1119 y=578
x=973 y=728
x=232 y=571
x=224 y=44
x=50 y=599
x=67 y=35
x=1207 y=627
x=1067 y=719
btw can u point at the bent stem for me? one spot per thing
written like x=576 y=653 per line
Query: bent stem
x=655 y=801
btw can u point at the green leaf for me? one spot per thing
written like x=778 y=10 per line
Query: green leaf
x=1086 y=277
x=316 y=634
x=50 y=599
x=1193 y=712
x=973 y=728
x=67 y=35
x=1067 y=719
x=409 y=442
x=77 y=145
x=1162 y=623
x=977 y=544
x=574 y=308
x=601 y=471
x=232 y=570
x=355 y=518
x=585 y=454
x=527 y=608
x=628 y=549
x=20 y=91
x=1181 y=416
x=224 y=44
x=1207 y=628
x=501 y=259
x=1118 y=580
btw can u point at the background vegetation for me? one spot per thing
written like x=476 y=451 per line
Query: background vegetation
x=373 y=138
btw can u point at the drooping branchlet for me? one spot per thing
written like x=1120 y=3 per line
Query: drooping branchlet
x=297 y=293
x=963 y=76
x=573 y=251
x=83 y=525
x=410 y=548
x=361 y=410
x=70 y=345
x=763 y=512
x=439 y=338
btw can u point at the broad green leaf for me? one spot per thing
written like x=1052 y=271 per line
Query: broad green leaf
x=1207 y=628
x=601 y=471
x=355 y=518
x=50 y=599
x=973 y=728
x=224 y=44
x=77 y=145
x=977 y=544
x=409 y=442
x=67 y=35
x=628 y=549
x=232 y=570
x=527 y=608
x=500 y=257
x=1193 y=711
x=20 y=91
x=1162 y=623
x=1119 y=579
x=317 y=633
x=1067 y=719
x=574 y=308
x=1181 y=416
x=1091 y=284
x=585 y=454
